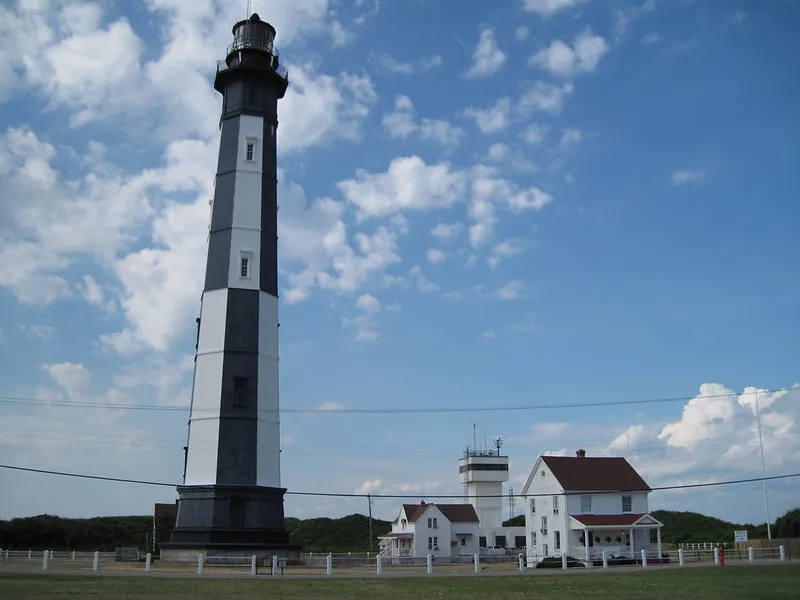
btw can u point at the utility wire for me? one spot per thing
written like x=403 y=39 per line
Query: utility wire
x=396 y=496
x=23 y=401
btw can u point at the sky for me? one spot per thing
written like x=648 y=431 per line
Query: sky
x=483 y=205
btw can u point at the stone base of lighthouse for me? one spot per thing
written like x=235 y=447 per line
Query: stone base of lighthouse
x=229 y=521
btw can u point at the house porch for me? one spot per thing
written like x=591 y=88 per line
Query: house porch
x=591 y=535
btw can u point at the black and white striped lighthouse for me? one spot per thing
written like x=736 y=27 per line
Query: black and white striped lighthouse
x=231 y=502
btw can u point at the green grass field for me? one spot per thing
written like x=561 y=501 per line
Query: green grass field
x=771 y=582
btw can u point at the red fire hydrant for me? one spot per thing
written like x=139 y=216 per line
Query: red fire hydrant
x=721 y=556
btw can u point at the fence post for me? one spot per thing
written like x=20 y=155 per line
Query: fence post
x=564 y=561
x=96 y=562
x=430 y=564
x=605 y=560
x=201 y=560
x=681 y=558
x=477 y=563
x=644 y=558
x=148 y=562
x=73 y=555
x=751 y=554
x=253 y=565
x=782 y=550
x=521 y=561
x=275 y=565
x=379 y=563
x=716 y=556
x=45 y=559
x=29 y=554
x=329 y=564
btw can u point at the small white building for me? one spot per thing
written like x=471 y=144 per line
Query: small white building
x=443 y=530
x=582 y=506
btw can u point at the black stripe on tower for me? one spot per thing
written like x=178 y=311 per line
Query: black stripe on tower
x=238 y=424
x=219 y=241
x=269 y=209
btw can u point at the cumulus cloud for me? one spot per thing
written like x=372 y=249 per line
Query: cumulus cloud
x=561 y=59
x=684 y=176
x=487 y=58
x=401 y=123
x=547 y=8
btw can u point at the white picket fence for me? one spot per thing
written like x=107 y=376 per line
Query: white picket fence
x=49 y=559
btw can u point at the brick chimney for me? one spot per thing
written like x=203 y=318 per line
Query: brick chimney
x=581 y=453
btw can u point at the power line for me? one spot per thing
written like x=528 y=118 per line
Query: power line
x=24 y=401
x=407 y=496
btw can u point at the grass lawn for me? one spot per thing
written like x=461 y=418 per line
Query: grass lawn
x=771 y=582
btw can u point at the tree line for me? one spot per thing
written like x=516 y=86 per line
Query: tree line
x=347 y=534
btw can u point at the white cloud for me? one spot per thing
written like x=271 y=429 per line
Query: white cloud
x=512 y=290
x=41 y=332
x=339 y=35
x=686 y=176
x=493 y=119
x=447 y=231
x=401 y=124
x=521 y=33
x=365 y=321
x=570 y=137
x=739 y=16
x=422 y=283
x=489 y=334
x=435 y=256
x=652 y=38
x=408 y=184
x=488 y=58
x=547 y=8
x=504 y=250
x=533 y=134
x=544 y=97
x=623 y=17
x=583 y=56
x=73 y=378
x=388 y=64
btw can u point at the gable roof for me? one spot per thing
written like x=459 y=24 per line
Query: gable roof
x=629 y=519
x=595 y=474
x=455 y=513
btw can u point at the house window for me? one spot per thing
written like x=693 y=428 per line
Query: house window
x=435 y=523
x=250 y=150
x=586 y=504
x=533 y=539
x=544 y=525
x=544 y=549
x=463 y=541
x=245 y=258
x=433 y=543
x=555 y=505
x=482 y=541
x=627 y=504
x=542 y=473
x=240 y=391
x=500 y=541
x=533 y=506
x=557 y=540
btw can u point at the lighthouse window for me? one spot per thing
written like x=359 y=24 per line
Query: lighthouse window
x=250 y=150
x=244 y=265
x=240 y=391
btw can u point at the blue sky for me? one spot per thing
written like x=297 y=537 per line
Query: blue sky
x=527 y=202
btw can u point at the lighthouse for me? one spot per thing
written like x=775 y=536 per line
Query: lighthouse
x=231 y=500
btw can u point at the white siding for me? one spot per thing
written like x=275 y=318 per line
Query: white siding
x=212 y=321
x=268 y=472
x=250 y=127
x=268 y=325
x=549 y=486
x=247 y=200
x=608 y=504
x=201 y=464
x=245 y=240
x=207 y=386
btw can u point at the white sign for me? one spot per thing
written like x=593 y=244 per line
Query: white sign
x=740 y=535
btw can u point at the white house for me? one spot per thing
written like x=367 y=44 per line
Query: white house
x=582 y=506
x=443 y=530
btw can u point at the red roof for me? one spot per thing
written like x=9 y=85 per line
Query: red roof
x=597 y=520
x=455 y=513
x=595 y=474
